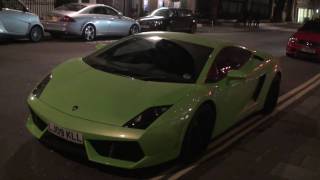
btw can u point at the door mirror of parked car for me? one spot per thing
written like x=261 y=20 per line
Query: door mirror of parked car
x=25 y=9
x=236 y=74
x=120 y=14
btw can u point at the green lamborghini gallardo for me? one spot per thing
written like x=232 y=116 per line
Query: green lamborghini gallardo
x=150 y=98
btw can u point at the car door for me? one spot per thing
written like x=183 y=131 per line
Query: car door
x=119 y=25
x=99 y=15
x=183 y=19
x=230 y=93
x=174 y=20
x=14 y=17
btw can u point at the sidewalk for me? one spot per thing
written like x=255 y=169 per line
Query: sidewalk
x=286 y=149
x=232 y=27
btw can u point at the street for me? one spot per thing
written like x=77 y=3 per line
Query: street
x=260 y=154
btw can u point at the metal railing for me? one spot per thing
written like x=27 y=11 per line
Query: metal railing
x=40 y=7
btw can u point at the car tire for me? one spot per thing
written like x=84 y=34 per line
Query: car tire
x=272 y=96
x=89 y=32
x=134 y=29
x=36 y=34
x=198 y=134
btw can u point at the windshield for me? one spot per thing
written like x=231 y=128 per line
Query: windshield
x=160 y=12
x=313 y=26
x=153 y=58
x=71 y=7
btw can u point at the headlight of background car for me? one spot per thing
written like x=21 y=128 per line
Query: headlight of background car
x=38 y=90
x=147 y=117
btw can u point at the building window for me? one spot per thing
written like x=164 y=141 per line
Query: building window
x=304 y=14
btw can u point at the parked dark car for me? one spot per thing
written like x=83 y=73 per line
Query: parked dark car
x=169 y=19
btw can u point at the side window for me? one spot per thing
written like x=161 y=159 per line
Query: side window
x=229 y=58
x=184 y=13
x=110 y=12
x=171 y=13
x=98 y=10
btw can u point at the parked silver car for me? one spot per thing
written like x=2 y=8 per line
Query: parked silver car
x=16 y=21
x=88 y=21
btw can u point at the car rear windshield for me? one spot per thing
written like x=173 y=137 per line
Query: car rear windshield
x=71 y=7
x=153 y=58
x=313 y=26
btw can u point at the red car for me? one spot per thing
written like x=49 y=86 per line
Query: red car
x=306 y=42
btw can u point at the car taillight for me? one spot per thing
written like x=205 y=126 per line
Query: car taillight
x=67 y=19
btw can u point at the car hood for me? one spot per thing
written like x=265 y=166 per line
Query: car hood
x=308 y=36
x=150 y=18
x=103 y=97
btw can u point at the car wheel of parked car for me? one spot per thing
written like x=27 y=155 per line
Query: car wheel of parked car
x=198 y=134
x=36 y=34
x=272 y=96
x=89 y=33
x=134 y=29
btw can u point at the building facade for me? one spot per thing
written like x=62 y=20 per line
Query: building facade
x=306 y=9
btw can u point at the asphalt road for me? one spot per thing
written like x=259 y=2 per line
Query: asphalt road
x=23 y=64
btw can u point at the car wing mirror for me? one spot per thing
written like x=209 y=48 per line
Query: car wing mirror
x=25 y=9
x=237 y=74
x=100 y=46
x=120 y=14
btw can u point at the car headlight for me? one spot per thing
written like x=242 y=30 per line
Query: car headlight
x=293 y=40
x=157 y=23
x=147 y=117
x=41 y=86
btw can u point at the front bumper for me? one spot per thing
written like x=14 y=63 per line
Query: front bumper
x=297 y=51
x=132 y=148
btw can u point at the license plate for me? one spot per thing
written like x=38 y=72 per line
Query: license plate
x=66 y=134
x=308 y=50
x=145 y=26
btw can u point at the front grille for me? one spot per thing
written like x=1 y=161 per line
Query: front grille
x=309 y=43
x=63 y=146
x=123 y=150
x=37 y=121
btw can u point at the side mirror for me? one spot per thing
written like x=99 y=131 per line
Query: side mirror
x=100 y=46
x=25 y=9
x=120 y=14
x=237 y=74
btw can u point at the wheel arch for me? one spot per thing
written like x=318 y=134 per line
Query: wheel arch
x=86 y=24
x=213 y=106
x=36 y=25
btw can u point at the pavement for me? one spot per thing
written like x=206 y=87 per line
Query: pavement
x=286 y=148
x=233 y=27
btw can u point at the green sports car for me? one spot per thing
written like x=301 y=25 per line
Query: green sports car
x=150 y=98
